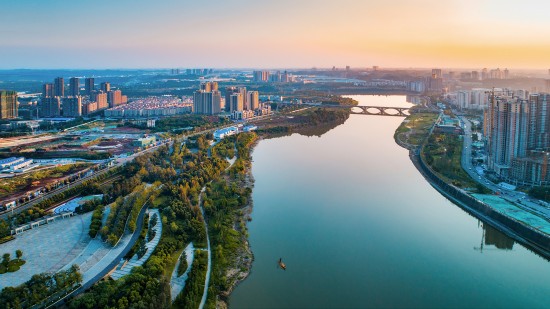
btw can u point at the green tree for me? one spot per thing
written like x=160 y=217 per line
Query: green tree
x=18 y=254
x=4 y=229
x=6 y=259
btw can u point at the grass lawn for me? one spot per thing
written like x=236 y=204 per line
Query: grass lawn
x=414 y=129
x=443 y=154
x=13 y=266
x=169 y=268
x=160 y=200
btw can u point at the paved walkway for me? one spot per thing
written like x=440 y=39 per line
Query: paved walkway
x=209 y=268
x=47 y=248
x=150 y=245
x=178 y=283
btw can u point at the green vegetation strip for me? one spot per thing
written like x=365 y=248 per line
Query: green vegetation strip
x=40 y=289
x=191 y=295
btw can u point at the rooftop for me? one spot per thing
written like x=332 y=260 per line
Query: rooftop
x=515 y=212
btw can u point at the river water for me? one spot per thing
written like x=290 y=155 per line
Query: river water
x=358 y=226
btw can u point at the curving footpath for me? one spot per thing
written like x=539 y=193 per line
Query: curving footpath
x=88 y=283
x=178 y=283
x=150 y=245
x=209 y=268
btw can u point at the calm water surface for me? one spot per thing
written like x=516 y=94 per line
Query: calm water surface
x=358 y=226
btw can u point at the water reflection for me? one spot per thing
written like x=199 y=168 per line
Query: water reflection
x=358 y=226
x=493 y=238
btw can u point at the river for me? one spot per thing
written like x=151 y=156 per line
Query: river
x=358 y=226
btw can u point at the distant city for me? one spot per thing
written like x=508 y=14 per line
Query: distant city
x=149 y=176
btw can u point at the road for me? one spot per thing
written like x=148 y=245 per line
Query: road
x=88 y=284
x=519 y=198
x=118 y=162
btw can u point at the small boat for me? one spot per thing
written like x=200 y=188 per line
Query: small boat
x=281 y=264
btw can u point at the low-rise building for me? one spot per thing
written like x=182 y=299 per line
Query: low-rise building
x=250 y=128
x=144 y=141
x=7 y=163
x=21 y=166
x=222 y=133
x=244 y=114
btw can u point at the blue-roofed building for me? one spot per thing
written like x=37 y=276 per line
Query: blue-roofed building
x=250 y=128
x=6 y=163
x=222 y=133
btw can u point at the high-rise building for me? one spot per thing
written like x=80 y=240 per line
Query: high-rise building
x=475 y=75
x=8 y=104
x=72 y=106
x=517 y=131
x=253 y=100
x=434 y=83
x=539 y=122
x=495 y=74
x=89 y=107
x=437 y=73
x=50 y=107
x=228 y=92
x=105 y=87
x=463 y=99
x=89 y=86
x=287 y=77
x=547 y=83
x=507 y=123
x=260 y=76
x=115 y=98
x=74 y=86
x=47 y=90
x=484 y=74
x=243 y=92
x=101 y=98
x=59 y=87
x=207 y=100
x=506 y=74
x=209 y=86
x=236 y=102
x=276 y=77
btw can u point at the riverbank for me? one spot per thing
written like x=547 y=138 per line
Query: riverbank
x=309 y=123
x=530 y=237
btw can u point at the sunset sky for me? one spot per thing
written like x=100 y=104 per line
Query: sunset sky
x=274 y=34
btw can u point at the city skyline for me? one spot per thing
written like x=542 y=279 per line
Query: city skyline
x=142 y=34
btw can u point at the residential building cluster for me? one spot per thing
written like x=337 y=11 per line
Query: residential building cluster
x=198 y=71
x=239 y=103
x=56 y=102
x=478 y=98
x=208 y=99
x=8 y=104
x=273 y=77
x=435 y=82
x=432 y=83
x=484 y=74
x=517 y=134
x=151 y=107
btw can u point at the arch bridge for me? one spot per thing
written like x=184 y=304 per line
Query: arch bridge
x=381 y=110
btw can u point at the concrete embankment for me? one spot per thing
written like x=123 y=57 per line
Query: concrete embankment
x=531 y=238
